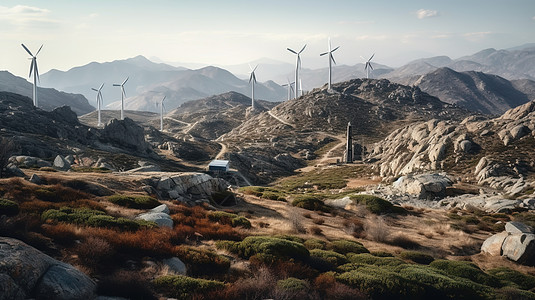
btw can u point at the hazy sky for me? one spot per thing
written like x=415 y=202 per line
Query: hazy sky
x=227 y=32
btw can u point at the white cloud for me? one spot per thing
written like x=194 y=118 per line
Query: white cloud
x=426 y=13
x=93 y=15
x=22 y=11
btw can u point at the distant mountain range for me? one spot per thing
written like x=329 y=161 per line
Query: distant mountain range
x=476 y=91
x=48 y=98
x=149 y=82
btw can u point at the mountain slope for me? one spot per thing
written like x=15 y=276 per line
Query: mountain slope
x=48 y=98
x=476 y=91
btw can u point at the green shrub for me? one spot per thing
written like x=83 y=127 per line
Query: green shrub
x=273 y=196
x=91 y=170
x=288 y=237
x=466 y=270
x=382 y=283
x=252 y=190
x=346 y=246
x=511 y=293
x=138 y=202
x=368 y=259
x=279 y=248
x=203 y=262
x=182 y=287
x=513 y=278
x=47 y=195
x=381 y=254
x=8 y=207
x=315 y=244
x=526 y=217
x=229 y=218
x=230 y=246
x=417 y=257
x=293 y=284
x=93 y=218
x=332 y=257
x=376 y=205
x=310 y=202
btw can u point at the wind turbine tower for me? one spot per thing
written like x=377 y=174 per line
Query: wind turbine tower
x=331 y=59
x=33 y=68
x=349 y=144
x=253 y=79
x=161 y=113
x=99 y=102
x=290 y=88
x=368 y=66
x=123 y=95
x=297 y=67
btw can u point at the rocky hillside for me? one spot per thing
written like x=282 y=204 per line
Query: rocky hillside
x=214 y=116
x=48 y=98
x=281 y=139
x=475 y=91
x=497 y=152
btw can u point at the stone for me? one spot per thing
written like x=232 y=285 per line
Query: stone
x=70 y=159
x=517 y=227
x=173 y=194
x=14 y=170
x=161 y=219
x=493 y=244
x=165 y=183
x=339 y=203
x=63 y=281
x=26 y=272
x=465 y=146
x=519 y=131
x=126 y=134
x=520 y=247
x=161 y=209
x=423 y=185
x=35 y=179
x=61 y=163
x=175 y=265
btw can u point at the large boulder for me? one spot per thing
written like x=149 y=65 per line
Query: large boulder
x=126 y=134
x=161 y=219
x=493 y=245
x=175 y=265
x=520 y=247
x=423 y=185
x=25 y=272
x=189 y=185
x=61 y=163
x=29 y=161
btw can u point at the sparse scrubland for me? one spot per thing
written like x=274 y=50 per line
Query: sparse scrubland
x=278 y=242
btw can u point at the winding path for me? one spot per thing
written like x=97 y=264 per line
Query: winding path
x=280 y=120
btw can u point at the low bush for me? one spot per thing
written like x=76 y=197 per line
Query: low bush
x=138 y=202
x=381 y=254
x=513 y=278
x=310 y=202
x=347 y=246
x=289 y=237
x=229 y=218
x=511 y=293
x=265 y=245
x=252 y=190
x=376 y=205
x=466 y=270
x=202 y=262
x=417 y=257
x=94 y=253
x=293 y=284
x=273 y=196
x=368 y=259
x=183 y=287
x=332 y=257
x=315 y=244
x=93 y=218
x=403 y=241
x=8 y=207
x=315 y=230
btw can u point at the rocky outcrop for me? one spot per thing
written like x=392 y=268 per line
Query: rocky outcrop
x=29 y=162
x=188 y=187
x=61 y=163
x=158 y=215
x=517 y=243
x=25 y=272
x=427 y=186
x=127 y=134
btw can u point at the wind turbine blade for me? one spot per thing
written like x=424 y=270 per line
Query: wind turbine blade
x=251 y=77
x=335 y=49
x=255 y=68
x=124 y=93
x=323 y=53
x=26 y=49
x=363 y=58
x=31 y=69
x=116 y=84
x=250 y=68
x=163 y=99
x=254 y=77
x=101 y=86
x=94 y=89
x=291 y=51
x=39 y=50
x=36 y=70
x=332 y=57
x=371 y=57
x=125 y=80
x=303 y=48
x=371 y=66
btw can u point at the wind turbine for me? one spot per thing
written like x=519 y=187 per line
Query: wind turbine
x=123 y=95
x=297 y=66
x=331 y=59
x=368 y=66
x=290 y=88
x=161 y=112
x=99 y=102
x=33 y=68
x=300 y=87
x=253 y=79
